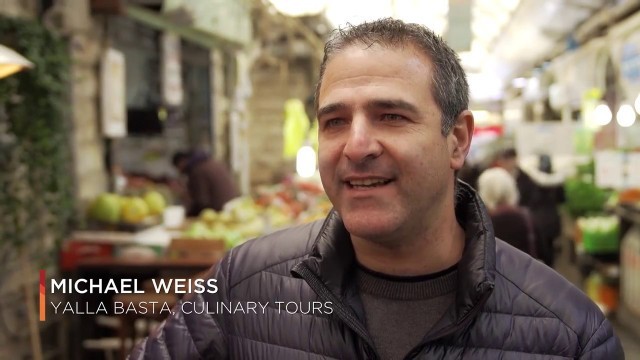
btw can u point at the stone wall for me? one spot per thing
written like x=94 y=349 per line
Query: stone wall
x=19 y=8
x=90 y=172
x=272 y=86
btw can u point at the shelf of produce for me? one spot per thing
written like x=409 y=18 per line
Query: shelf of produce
x=628 y=212
x=157 y=236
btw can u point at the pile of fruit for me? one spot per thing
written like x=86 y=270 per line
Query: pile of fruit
x=272 y=208
x=630 y=197
x=113 y=209
x=293 y=202
x=584 y=198
x=240 y=220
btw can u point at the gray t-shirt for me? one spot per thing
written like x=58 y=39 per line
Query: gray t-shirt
x=400 y=311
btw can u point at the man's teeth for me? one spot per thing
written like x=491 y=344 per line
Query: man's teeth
x=367 y=182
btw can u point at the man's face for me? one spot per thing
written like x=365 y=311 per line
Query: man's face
x=383 y=160
x=181 y=165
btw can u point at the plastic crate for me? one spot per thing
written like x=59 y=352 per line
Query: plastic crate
x=601 y=242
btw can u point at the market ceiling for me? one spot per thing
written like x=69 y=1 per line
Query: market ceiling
x=498 y=40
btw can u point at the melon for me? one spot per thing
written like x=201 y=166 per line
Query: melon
x=106 y=207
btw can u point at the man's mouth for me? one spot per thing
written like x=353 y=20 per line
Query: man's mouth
x=367 y=183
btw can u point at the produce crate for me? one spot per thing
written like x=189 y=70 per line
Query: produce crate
x=600 y=234
x=600 y=242
x=74 y=251
x=147 y=223
x=196 y=249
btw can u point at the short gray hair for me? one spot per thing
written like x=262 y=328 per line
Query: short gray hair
x=497 y=187
x=450 y=88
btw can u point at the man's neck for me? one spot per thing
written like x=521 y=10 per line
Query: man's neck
x=436 y=251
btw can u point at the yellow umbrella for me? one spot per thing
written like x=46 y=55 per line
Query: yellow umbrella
x=11 y=62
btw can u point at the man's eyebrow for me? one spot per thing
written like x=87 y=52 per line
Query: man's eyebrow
x=327 y=109
x=371 y=105
x=392 y=104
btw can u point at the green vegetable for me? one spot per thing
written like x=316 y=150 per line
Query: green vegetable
x=584 y=198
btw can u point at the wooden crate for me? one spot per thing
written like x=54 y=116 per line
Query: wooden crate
x=180 y=248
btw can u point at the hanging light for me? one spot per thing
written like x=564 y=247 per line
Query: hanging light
x=299 y=7
x=306 y=162
x=637 y=104
x=11 y=62
x=626 y=116
x=602 y=115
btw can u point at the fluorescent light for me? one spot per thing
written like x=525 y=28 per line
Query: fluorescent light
x=299 y=7
x=510 y=5
x=519 y=83
x=431 y=13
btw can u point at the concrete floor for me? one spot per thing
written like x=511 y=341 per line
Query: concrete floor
x=630 y=339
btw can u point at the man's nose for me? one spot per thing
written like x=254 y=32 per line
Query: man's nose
x=362 y=143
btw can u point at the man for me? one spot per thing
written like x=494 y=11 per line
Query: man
x=406 y=266
x=209 y=183
x=541 y=192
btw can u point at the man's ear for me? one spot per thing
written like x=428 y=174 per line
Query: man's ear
x=459 y=139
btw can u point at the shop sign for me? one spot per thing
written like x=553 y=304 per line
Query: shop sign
x=609 y=169
x=617 y=169
x=545 y=138
x=172 y=89
x=113 y=94
x=228 y=19
x=633 y=169
x=630 y=62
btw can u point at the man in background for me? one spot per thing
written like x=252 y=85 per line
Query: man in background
x=209 y=183
x=542 y=195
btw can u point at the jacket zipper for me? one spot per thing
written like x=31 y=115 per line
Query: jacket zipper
x=451 y=328
x=340 y=309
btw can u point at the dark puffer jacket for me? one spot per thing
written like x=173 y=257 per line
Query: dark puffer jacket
x=508 y=306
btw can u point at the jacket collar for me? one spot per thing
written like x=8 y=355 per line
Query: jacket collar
x=332 y=257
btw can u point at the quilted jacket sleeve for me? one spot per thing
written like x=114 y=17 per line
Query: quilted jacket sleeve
x=186 y=335
x=603 y=344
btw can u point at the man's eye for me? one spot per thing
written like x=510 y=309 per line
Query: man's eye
x=333 y=122
x=392 y=117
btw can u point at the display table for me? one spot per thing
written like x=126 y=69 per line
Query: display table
x=156 y=235
x=106 y=268
x=125 y=265
x=117 y=255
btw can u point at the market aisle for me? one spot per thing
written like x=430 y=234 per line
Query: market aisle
x=630 y=341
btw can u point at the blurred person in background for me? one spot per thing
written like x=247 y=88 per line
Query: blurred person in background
x=542 y=195
x=511 y=223
x=209 y=185
x=406 y=265
x=470 y=174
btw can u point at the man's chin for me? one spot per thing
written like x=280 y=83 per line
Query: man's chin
x=370 y=228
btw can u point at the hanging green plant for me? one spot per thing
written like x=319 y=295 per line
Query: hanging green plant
x=35 y=150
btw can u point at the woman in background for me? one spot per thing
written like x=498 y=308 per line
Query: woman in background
x=511 y=223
